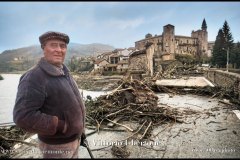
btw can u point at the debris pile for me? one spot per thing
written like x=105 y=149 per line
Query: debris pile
x=220 y=93
x=213 y=92
x=190 y=70
x=96 y=83
x=132 y=101
x=8 y=137
x=120 y=152
x=176 y=69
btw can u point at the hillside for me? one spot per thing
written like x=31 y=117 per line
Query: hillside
x=26 y=57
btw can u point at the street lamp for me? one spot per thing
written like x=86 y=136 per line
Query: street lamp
x=227 y=57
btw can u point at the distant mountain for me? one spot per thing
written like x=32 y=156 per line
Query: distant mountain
x=9 y=55
x=27 y=56
x=87 y=49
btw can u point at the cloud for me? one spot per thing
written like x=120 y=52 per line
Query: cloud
x=110 y=22
x=126 y=24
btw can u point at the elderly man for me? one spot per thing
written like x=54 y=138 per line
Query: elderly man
x=48 y=101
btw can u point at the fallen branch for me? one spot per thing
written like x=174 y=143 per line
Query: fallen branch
x=194 y=122
x=114 y=91
x=19 y=141
x=116 y=112
x=225 y=102
x=88 y=134
x=175 y=119
x=222 y=129
x=110 y=124
x=97 y=149
x=145 y=86
x=214 y=95
x=121 y=125
x=146 y=130
x=212 y=122
x=134 y=132
x=98 y=126
x=107 y=129
x=177 y=133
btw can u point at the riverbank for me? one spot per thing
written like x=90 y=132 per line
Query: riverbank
x=97 y=83
x=14 y=72
x=88 y=82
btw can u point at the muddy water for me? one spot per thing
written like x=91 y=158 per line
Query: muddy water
x=8 y=91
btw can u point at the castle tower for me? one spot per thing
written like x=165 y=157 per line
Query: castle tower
x=204 y=25
x=202 y=39
x=168 y=42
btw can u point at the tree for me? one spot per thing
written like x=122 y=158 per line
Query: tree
x=73 y=64
x=236 y=56
x=218 y=58
x=224 y=41
x=227 y=35
x=228 y=44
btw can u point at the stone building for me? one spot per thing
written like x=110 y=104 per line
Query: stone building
x=115 y=61
x=142 y=61
x=155 y=51
x=167 y=45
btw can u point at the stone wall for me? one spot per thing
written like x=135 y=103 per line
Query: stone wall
x=224 y=79
x=149 y=59
x=138 y=62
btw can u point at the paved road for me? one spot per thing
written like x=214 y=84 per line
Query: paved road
x=185 y=82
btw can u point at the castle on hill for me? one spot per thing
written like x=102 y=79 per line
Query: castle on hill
x=167 y=45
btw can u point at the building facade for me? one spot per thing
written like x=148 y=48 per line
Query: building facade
x=167 y=45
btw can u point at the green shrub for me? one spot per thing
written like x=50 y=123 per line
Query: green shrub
x=1 y=78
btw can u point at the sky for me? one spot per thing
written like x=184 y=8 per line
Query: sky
x=119 y=24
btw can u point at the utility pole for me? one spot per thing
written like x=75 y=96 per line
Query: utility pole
x=227 y=57
x=227 y=52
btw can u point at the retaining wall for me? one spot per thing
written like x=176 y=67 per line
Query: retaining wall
x=224 y=79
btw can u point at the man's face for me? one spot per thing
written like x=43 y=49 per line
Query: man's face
x=55 y=51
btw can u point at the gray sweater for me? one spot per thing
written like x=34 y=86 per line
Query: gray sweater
x=46 y=100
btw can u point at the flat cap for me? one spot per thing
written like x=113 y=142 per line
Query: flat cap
x=53 y=35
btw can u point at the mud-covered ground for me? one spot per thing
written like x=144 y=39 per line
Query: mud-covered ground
x=213 y=132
